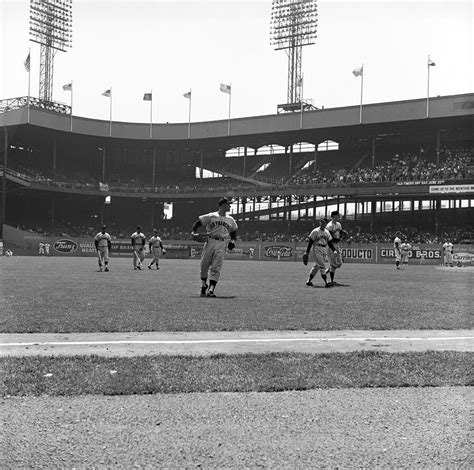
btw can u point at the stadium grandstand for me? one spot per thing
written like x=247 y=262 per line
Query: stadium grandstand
x=68 y=174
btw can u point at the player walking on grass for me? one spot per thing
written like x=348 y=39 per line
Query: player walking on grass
x=156 y=249
x=448 y=253
x=397 y=246
x=103 y=243
x=221 y=232
x=334 y=227
x=319 y=240
x=405 y=248
x=138 y=246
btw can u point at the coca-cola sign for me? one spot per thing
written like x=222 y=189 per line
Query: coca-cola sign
x=65 y=246
x=274 y=251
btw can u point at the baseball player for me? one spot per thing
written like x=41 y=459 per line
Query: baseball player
x=334 y=227
x=397 y=242
x=319 y=239
x=41 y=248
x=221 y=231
x=405 y=249
x=448 y=253
x=103 y=243
x=156 y=249
x=47 y=247
x=138 y=247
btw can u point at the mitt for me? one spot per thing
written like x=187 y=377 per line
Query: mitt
x=231 y=245
x=305 y=258
x=344 y=234
x=163 y=251
x=337 y=259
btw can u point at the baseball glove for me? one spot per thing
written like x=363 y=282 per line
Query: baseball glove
x=337 y=259
x=231 y=245
x=305 y=258
x=344 y=234
x=163 y=251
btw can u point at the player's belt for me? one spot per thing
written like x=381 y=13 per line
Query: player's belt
x=217 y=238
x=321 y=245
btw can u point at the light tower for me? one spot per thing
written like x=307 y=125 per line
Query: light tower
x=293 y=25
x=51 y=27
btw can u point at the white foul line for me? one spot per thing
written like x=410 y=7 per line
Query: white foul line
x=244 y=340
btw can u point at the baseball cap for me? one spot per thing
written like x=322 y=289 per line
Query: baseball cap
x=333 y=213
x=155 y=230
x=223 y=201
x=323 y=220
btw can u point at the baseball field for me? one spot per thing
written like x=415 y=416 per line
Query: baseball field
x=207 y=400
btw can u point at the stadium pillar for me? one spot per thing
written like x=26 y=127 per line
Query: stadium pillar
x=436 y=217
x=373 y=211
x=4 y=178
x=55 y=146
x=244 y=169
x=153 y=170
x=103 y=163
x=437 y=146
x=373 y=150
x=290 y=169
x=52 y=214
x=201 y=164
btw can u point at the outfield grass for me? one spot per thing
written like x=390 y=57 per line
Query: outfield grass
x=63 y=295
x=93 y=375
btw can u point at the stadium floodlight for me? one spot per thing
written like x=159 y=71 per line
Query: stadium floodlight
x=51 y=27
x=293 y=25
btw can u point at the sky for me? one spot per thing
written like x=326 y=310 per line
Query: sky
x=172 y=46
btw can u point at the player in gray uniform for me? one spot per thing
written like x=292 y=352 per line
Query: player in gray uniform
x=221 y=231
x=319 y=239
x=103 y=243
x=156 y=249
x=138 y=246
x=397 y=247
x=334 y=227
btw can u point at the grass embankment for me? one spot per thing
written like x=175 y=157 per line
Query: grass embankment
x=86 y=375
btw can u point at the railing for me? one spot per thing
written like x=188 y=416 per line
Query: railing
x=11 y=104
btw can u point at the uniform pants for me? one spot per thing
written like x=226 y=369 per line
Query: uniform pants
x=335 y=259
x=320 y=253
x=155 y=253
x=103 y=254
x=138 y=256
x=212 y=259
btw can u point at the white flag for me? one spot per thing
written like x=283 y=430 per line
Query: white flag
x=358 y=72
x=225 y=88
x=107 y=93
x=431 y=63
x=188 y=95
x=67 y=87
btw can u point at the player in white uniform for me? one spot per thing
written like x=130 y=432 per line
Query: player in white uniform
x=334 y=227
x=319 y=239
x=138 y=246
x=156 y=249
x=47 y=247
x=397 y=243
x=405 y=248
x=448 y=253
x=103 y=243
x=41 y=248
x=221 y=231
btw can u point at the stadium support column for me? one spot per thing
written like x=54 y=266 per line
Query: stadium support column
x=244 y=169
x=201 y=164
x=103 y=164
x=4 y=178
x=153 y=171
x=437 y=146
x=373 y=150
x=55 y=145
x=52 y=214
x=437 y=214
x=290 y=169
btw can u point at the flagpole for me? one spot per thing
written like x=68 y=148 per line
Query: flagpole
x=29 y=85
x=110 y=119
x=151 y=116
x=189 y=118
x=428 y=89
x=228 y=123
x=361 y=94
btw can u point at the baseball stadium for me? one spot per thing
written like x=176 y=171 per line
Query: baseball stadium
x=132 y=368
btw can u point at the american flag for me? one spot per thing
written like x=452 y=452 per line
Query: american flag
x=27 y=63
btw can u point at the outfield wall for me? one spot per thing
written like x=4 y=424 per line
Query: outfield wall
x=27 y=244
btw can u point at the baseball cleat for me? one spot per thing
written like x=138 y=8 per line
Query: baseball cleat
x=328 y=284
x=203 y=291
x=149 y=267
x=211 y=294
x=310 y=284
x=106 y=270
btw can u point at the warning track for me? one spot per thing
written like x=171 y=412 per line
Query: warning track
x=235 y=342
